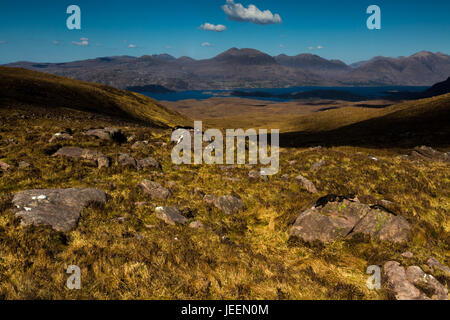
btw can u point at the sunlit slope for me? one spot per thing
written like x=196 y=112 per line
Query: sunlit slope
x=21 y=86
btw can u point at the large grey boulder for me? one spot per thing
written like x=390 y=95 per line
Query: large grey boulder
x=341 y=218
x=59 y=208
x=228 y=204
x=170 y=215
x=154 y=189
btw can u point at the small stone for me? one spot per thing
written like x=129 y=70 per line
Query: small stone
x=170 y=215
x=228 y=204
x=125 y=160
x=433 y=263
x=307 y=184
x=196 y=225
x=154 y=189
x=24 y=164
x=318 y=164
x=407 y=254
x=4 y=166
x=148 y=163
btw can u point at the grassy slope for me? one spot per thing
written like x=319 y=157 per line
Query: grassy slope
x=50 y=91
x=406 y=124
x=246 y=256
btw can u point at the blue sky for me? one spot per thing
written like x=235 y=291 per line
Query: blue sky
x=36 y=30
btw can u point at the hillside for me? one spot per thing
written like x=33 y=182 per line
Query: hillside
x=141 y=227
x=25 y=87
x=250 y=68
x=407 y=124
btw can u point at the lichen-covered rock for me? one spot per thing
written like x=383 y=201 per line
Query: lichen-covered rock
x=4 y=166
x=148 y=163
x=59 y=208
x=125 y=160
x=170 y=215
x=154 y=189
x=341 y=218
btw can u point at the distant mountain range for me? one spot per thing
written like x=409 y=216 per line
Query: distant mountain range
x=249 y=68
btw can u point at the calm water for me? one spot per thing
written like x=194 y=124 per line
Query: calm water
x=369 y=92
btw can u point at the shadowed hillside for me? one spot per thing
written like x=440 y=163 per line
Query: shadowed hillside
x=403 y=125
x=20 y=86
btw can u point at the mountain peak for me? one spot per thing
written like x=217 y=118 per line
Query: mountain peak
x=244 y=56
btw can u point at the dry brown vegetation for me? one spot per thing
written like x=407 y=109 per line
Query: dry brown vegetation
x=125 y=252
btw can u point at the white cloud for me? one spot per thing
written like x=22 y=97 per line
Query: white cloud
x=82 y=42
x=237 y=12
x=206 y=44
x=56 y=42
x=211 y=27
x=132 y=46
x=314 y=48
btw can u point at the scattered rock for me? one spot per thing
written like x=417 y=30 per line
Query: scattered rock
x=4 y=166
x=285 y=177
x=228 y=204
x=144 y=204
x=154 y=189
x=292 y=162
x=317 y=165
x=99 y=158
x=307 y=184
x=428 y=153
x=170 y=215
x=148 y=163
x=196 y=225
x=59 y=208
x=60 y=136
x=231 y=179
x=433 y=263
x=257 y=175
x=407 y=254
x=139 y=145
x=125 y=160
x=24 y=164
x=109 y=134
x=341 y=217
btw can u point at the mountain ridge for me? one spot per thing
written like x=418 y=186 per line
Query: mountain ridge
x=249 y=68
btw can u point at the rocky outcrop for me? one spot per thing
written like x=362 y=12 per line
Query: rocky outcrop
x=341 y=218
x=228 y=204
x=428 y=153
x=154 y=190
x=99 y=158
x=434 y=264
x=59 y=208
x=412 y=283
x=170 y=215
